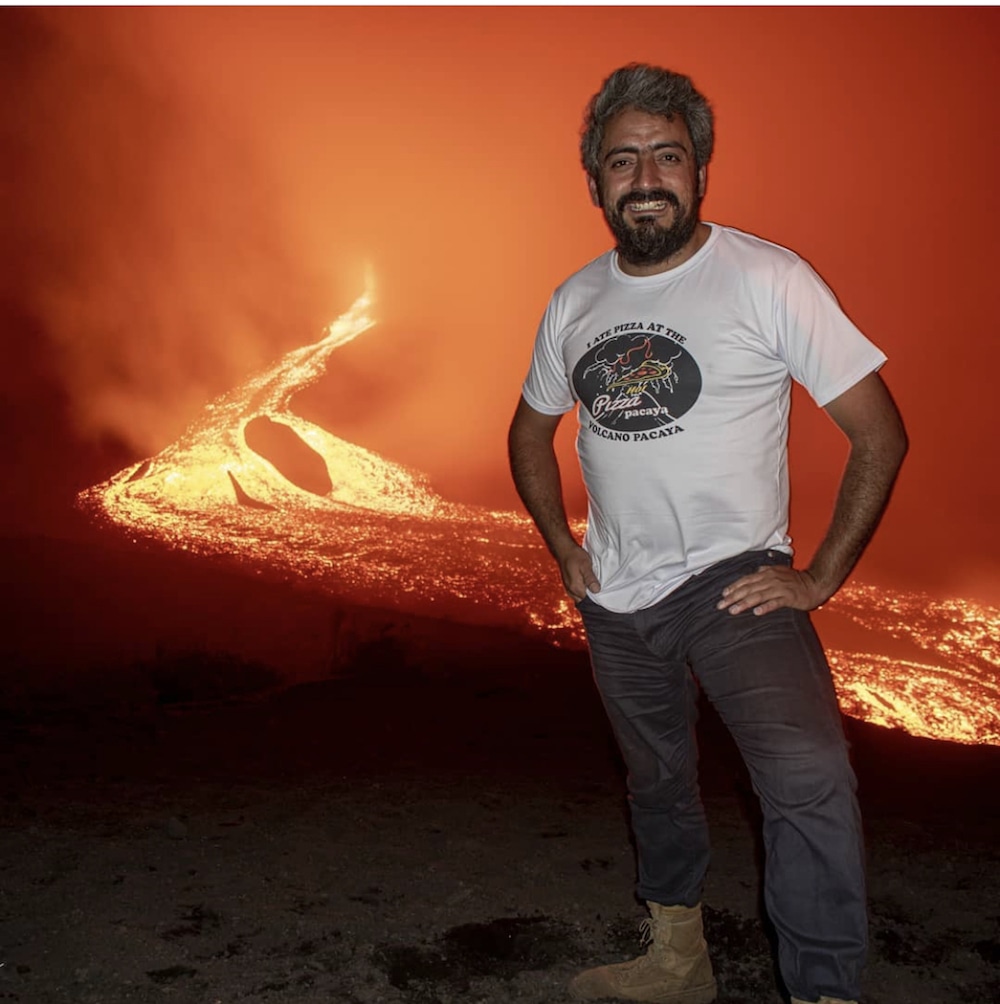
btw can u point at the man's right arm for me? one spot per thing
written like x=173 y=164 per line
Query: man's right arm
x=535 y=470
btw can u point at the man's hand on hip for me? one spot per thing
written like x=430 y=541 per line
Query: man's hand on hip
x=578 y=573
x=770 y=588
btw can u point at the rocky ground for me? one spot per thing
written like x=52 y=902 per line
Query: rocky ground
x=422 y=831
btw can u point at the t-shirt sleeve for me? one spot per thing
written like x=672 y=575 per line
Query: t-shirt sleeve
x=548 y=388
x=822 y=348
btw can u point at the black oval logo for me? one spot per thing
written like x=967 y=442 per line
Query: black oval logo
x=635 y=382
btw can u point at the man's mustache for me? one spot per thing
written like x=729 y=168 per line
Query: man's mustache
x=653 y=195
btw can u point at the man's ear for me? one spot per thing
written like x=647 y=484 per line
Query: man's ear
x=595 y=193
x=702 y=180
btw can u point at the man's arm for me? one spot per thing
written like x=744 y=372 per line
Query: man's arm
x=868 y=417
x=535 y=470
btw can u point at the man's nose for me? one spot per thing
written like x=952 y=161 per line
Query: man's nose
x=646 y=175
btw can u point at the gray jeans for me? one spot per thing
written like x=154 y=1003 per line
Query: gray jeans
x=770 y=682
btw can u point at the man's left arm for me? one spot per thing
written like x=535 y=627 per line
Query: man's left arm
x=867 y=415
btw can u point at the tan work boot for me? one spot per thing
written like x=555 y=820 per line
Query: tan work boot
x=675 y=969
x=824 y=1000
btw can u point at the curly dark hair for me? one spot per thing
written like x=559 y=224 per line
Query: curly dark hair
x=649 y=89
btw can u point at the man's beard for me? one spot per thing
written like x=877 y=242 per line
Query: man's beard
x=648 y=243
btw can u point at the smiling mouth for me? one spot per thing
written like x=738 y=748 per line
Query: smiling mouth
x=647 y=207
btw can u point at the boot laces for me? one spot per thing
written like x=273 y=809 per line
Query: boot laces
x=646 y=932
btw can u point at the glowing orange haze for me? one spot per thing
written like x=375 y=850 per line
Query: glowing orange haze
x=209 y=186
x=200 y=190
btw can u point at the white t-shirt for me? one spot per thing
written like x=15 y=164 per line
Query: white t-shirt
x=683 y=386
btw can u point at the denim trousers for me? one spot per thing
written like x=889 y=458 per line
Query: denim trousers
x=770 y=682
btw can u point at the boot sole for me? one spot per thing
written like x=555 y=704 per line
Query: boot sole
x=705 y=994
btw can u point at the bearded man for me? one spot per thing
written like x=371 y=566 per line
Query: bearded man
x=678 y=348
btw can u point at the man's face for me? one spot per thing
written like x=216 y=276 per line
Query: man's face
x=650 y=187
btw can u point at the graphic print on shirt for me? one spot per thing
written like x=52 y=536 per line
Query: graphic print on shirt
x=635 y=382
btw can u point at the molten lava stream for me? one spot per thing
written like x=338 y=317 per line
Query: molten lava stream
x=360 y=527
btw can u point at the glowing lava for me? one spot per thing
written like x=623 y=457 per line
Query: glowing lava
x=377 y=533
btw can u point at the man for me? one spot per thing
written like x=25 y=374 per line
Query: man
x=678 y=348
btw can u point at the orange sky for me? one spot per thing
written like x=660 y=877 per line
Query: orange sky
x=195 y=191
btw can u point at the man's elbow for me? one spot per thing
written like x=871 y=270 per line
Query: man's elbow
x=897 y=442
x=903 y=444
x=530 y=428
x=521 y=438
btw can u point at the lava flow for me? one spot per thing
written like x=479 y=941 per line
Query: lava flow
x=361 y=527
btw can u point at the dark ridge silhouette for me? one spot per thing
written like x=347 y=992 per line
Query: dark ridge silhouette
x=282 y=446
x=243 y=498
x=141 y=471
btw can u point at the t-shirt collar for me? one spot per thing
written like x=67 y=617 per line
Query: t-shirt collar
x=671 y=273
